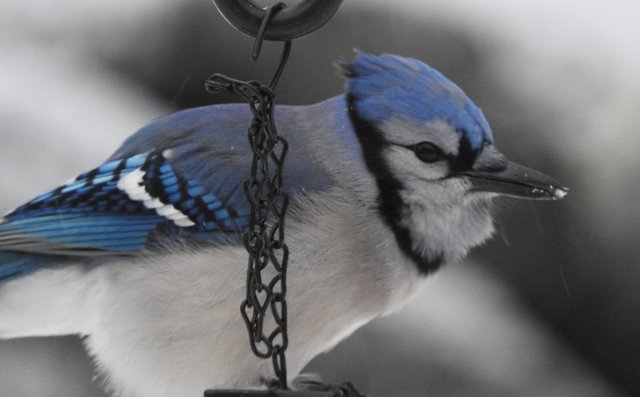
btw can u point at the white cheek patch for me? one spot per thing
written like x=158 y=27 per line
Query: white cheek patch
x=132 y=185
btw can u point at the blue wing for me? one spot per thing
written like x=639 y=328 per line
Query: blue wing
x=178 y=178
x=113 y=208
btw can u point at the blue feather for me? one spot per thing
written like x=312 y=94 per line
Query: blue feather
x=14 y=265
x=194 y=160
x=92 y=212
x=389 y=86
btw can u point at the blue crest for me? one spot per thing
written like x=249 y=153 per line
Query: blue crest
x=389 y=86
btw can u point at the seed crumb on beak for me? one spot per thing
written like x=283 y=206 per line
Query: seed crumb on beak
x=559 y=194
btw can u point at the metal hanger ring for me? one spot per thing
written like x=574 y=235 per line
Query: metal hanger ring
x=288 y=24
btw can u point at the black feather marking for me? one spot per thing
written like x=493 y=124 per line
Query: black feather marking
x=90 y=175
x=118 y=170
x=191 y=198
x=390 y=204
x=465 y=158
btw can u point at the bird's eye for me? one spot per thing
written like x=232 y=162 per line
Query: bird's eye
x=427 y=152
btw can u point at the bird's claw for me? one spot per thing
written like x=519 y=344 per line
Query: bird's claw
x=347 y=389
x=312 y=382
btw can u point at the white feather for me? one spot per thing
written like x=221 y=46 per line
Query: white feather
x=168 y=211
x=153 y=203
x=175 y=318
x=183 y=222
x=132 y=185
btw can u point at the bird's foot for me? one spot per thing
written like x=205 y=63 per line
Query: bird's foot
x=271 y=383
x=313 y=382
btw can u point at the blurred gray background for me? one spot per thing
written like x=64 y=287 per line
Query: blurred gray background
x=551 y=307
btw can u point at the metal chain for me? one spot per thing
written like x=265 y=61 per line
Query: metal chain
x=264 y=237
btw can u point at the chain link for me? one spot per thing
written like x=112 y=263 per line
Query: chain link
x=264 y=237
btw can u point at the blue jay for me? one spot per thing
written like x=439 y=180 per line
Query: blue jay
x=143 y=257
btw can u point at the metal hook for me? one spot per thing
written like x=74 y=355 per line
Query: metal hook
x=283 y=62
x=288 y=24
x=269 y=13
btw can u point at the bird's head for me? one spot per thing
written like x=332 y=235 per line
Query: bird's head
x=432 y=153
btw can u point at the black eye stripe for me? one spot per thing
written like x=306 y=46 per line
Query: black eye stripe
x=426 y=151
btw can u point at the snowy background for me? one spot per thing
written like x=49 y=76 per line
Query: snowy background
x=550 y=307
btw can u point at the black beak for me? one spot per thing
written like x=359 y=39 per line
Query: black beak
x=493 y=173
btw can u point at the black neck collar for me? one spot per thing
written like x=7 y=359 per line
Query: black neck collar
x=390 y=204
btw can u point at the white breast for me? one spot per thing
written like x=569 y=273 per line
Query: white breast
x=170 y=325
